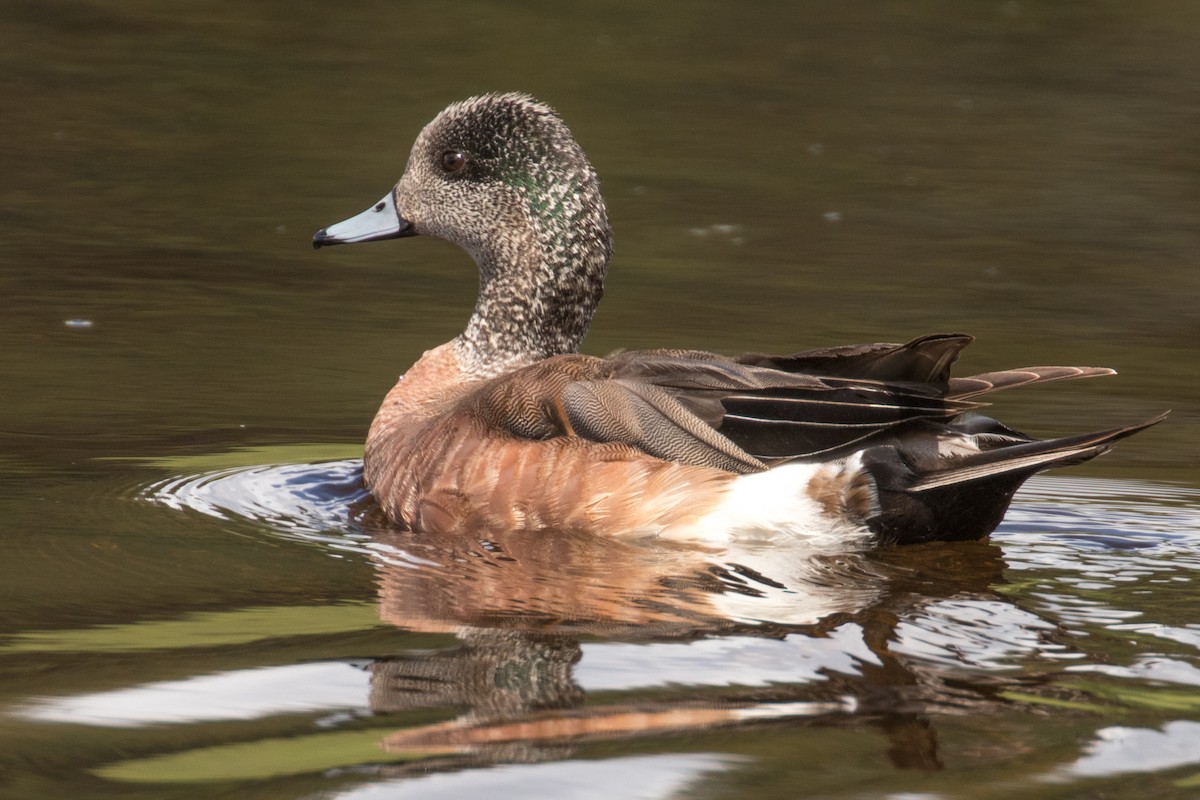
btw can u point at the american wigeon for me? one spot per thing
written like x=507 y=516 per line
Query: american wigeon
x=508 y=426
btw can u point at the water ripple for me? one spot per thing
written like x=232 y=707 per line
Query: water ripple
x=1074 y=555
x=310 y=502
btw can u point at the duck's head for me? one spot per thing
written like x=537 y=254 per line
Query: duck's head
x=501 y=176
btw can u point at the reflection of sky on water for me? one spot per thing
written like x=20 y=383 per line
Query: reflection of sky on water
x=980 y=634
x=1103 y=532
x=732 y=661
x=1167 y=670
x=1189 y=634
x=635 y=777
x=1119 y=750
x=338 y=685
x=239 y=694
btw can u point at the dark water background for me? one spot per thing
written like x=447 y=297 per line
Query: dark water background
x=183 y=614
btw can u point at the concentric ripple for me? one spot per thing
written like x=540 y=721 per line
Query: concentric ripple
x=309 y=502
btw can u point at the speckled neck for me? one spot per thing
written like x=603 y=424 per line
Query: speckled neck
x=537 y=295
x=543 y=241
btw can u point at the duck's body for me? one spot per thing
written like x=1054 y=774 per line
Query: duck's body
x=439 y=458
x=507 y=426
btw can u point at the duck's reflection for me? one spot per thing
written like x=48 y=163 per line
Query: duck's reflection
x=586 y=584
x=528 y=608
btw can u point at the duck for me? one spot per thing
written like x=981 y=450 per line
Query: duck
x=509 y=427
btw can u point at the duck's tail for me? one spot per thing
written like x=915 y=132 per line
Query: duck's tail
x=923 y=498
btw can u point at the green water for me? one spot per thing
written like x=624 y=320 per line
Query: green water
x=183 y=615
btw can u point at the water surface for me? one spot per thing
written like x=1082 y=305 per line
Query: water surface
x=198 y=599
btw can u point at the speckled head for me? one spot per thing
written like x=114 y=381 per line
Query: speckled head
x=501 y=176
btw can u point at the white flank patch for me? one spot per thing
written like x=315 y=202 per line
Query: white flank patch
x=775 y=503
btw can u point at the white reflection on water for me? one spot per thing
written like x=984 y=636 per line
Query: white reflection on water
x=1102 y=531
x=240 y=694
x=1189 y=634
x=1082 y=610
x=634 y=777
x=1119 y=750
x=732 y=661
x=1167 y=670
x=341 y=686
x=980 y=634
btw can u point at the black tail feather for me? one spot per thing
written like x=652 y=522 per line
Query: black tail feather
x=965 y=497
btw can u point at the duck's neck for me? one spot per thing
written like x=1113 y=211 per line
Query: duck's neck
x=539 y=286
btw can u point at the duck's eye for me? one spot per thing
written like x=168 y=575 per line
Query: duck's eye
x=453 y=161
